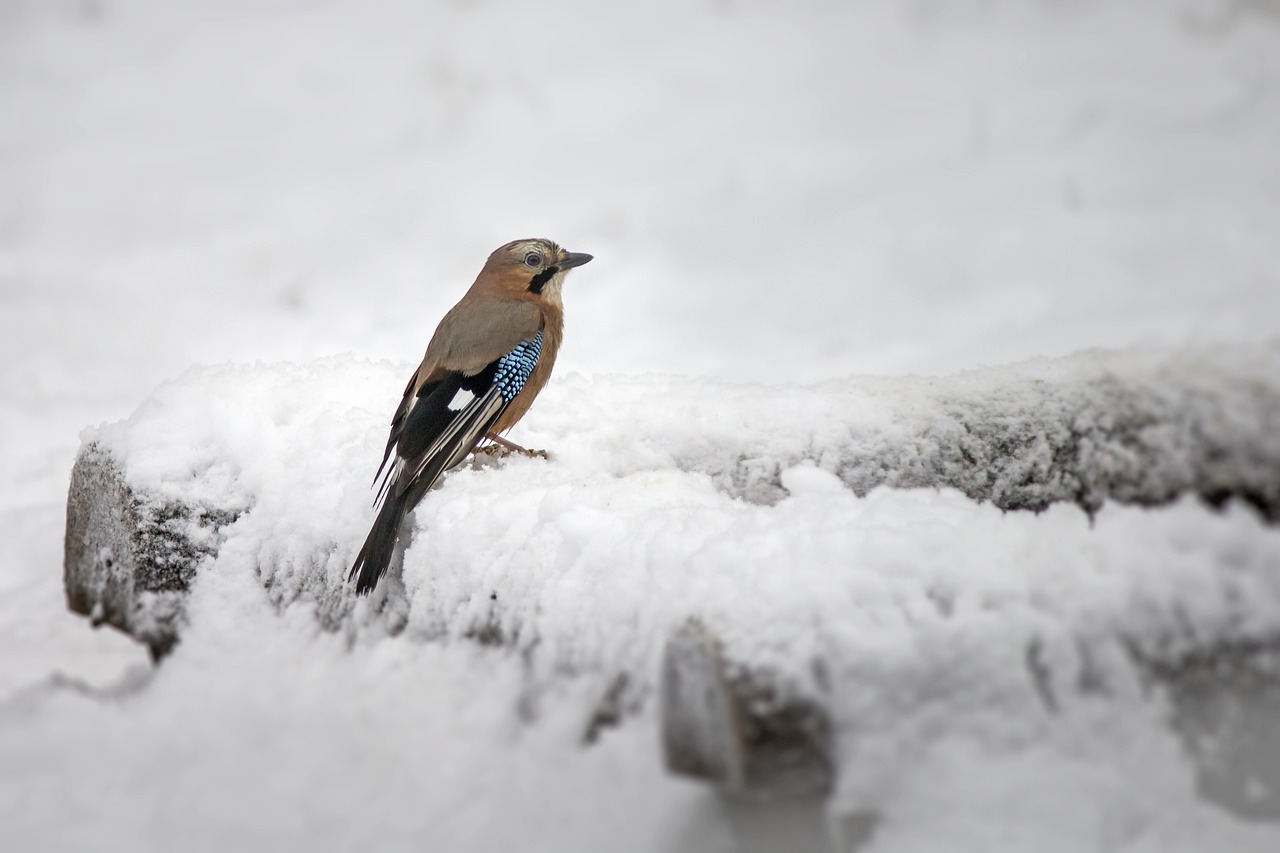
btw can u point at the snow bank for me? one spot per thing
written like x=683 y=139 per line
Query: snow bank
x=755 y=510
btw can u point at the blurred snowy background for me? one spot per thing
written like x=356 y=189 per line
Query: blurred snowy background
x=774 y=191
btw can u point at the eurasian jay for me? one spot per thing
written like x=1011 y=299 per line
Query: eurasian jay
x=487 y=361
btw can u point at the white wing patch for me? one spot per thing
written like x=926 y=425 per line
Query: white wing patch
x=461 y=399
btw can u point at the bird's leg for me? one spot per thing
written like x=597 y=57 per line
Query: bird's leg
x=509 y=445
x=512 y=447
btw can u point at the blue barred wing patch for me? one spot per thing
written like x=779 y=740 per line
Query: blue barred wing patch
x=514 y=367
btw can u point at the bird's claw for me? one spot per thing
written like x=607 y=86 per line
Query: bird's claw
x=500 y=448
x=492 y=452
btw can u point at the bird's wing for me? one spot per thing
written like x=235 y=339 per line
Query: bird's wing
x=470 y=338
x=449 y=417
x=479 y=330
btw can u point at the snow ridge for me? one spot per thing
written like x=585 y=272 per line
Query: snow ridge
x=638 y=522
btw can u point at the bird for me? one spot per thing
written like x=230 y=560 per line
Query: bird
x=489 y=357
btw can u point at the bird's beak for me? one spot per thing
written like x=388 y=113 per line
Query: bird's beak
x=573 y=259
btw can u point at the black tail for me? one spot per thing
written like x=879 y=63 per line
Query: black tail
x=372 y=561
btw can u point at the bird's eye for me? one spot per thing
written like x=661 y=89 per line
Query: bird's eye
x=533 y=259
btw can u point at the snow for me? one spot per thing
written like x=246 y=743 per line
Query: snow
x=773 y=194
x=923 y=607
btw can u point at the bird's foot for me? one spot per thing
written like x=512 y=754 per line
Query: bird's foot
x=500 y=448
x=505 y=448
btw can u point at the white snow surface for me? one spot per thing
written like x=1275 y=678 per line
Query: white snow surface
x=922 y=606
x=639 y=523
x=775 y=193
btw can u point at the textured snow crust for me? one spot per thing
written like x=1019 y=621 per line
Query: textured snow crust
x=915 y=614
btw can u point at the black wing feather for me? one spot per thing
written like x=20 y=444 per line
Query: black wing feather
x=398 y=419
x=429 y=416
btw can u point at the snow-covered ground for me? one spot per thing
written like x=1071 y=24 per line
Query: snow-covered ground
x=775 y=192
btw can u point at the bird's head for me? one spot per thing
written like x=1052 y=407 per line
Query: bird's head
x=536 y=265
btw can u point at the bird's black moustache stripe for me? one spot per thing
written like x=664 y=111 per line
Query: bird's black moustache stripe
x=540 y=280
